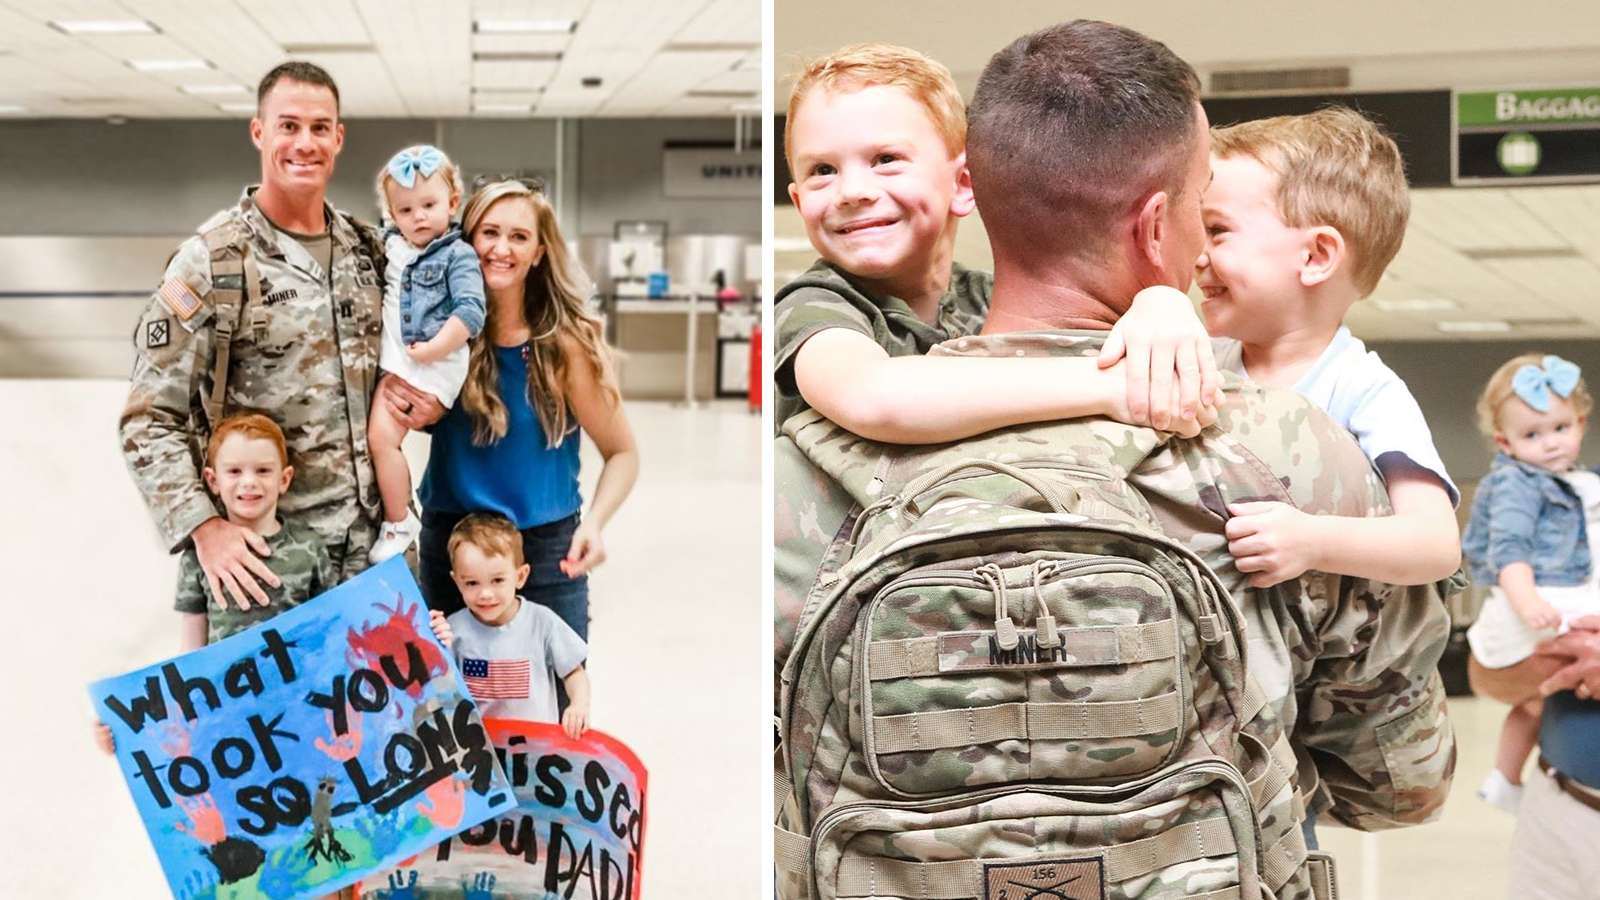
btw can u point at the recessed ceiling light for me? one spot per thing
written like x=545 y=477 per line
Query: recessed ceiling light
x=307 y=49
x=502 y=107
x=208 y=89
x=710 y=46
x=1471 y=327
x=11 y=109
x=1432 y=304
x=524 y=26
x=1492 y=253
x=745 y=107
x=237 y=107
x=105 y=26
x=514 y=56
x=168 y=65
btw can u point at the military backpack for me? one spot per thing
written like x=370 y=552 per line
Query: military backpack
x=1007 y=684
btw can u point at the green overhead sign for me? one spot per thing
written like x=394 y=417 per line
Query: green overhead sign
x=1527 y=135
x=1543 y=107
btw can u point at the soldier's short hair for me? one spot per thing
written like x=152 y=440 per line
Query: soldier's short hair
x=492 y=533
x=253 y=426
x=861 y=66
x=296 y=70
x=1070 y=128
x=1334 y=167
x=1499 y=390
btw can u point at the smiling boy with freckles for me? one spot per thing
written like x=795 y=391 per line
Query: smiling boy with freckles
x=875 y=141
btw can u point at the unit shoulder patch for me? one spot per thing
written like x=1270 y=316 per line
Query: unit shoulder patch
x=157 y=332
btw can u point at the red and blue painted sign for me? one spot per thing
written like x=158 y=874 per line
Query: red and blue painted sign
x=577 y=831
x=288 y=761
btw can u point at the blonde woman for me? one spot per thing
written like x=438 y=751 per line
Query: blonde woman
x=538 y=374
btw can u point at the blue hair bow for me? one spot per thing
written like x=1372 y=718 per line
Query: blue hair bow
x=413 y=160
x=1533 y=384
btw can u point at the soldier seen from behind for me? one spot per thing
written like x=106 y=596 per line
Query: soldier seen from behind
x=1089 y=153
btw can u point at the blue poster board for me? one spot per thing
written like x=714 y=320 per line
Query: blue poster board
x=287 y=761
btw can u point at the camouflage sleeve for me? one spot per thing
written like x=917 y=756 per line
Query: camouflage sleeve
x=1374 y=718
x=194 y=596
x=808 y=509
x=173 y=355
x=804 y=313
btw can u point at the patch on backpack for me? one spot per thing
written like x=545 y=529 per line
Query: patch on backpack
x=157 y=333
x=1079 y=878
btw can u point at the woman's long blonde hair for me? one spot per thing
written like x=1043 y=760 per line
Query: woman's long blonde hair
x=553 y=304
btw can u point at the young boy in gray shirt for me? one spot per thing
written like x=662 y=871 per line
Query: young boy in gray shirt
x=510 y=651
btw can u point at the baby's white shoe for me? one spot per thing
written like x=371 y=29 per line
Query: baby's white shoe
x=1498 y=791
x=394 y=539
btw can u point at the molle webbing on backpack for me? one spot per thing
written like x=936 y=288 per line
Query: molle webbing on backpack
x=234 y=281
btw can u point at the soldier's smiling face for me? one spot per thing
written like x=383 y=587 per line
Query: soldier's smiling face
x=298 y=132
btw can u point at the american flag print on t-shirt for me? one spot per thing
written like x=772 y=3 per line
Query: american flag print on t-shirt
x=496 y=679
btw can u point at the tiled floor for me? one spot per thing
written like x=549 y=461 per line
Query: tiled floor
x=675 y=636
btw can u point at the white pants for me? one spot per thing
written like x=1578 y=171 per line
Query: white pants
x=1553 y=848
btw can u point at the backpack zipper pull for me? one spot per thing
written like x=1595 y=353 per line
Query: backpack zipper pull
x=1005 y=630
x=1045 y=624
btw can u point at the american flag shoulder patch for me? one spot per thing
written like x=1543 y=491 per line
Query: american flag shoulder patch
x=497 y=679
x=179 y=298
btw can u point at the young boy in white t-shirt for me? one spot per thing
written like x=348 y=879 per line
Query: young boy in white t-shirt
x=510 y=651
x=1302 y=215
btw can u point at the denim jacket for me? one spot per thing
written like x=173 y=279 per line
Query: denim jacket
x=1522 y=513
x=444 y=280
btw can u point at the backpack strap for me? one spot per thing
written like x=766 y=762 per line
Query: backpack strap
x=235 y=286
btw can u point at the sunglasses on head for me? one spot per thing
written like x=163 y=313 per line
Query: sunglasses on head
x=533 y=184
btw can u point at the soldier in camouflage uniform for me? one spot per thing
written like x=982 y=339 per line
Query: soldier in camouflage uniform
x=1347 y=664
x=303 y=349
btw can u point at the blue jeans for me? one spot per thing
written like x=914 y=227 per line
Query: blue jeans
x=543 y=548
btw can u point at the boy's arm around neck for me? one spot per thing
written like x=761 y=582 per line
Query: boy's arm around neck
x=849 y=378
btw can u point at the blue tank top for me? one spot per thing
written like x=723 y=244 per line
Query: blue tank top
x=518 y=476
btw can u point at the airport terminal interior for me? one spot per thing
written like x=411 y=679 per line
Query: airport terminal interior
x=1495 y=262
x=125 y=124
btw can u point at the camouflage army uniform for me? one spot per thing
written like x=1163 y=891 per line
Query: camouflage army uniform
x=299 y=559
x=307 y=359
x=1348 y=664
x=824 y=298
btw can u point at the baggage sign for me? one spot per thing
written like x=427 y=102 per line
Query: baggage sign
x=1522 y=136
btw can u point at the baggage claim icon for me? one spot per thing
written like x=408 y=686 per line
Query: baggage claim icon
x=1518 y=153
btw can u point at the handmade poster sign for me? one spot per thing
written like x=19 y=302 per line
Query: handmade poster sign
x=577 y=832
x=289 y=760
